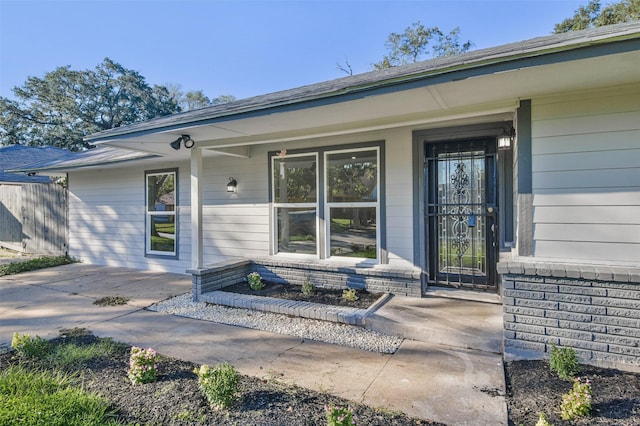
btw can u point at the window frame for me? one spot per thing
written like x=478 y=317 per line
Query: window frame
x=148 y=252
x=328 y=205
x=322 y=212
x=279 y=205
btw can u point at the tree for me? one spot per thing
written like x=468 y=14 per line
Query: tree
x=65 y=105
x=592 y=15
x=413 y=45
x=195 y=99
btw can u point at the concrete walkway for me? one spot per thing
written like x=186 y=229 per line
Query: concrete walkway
x=426 y=378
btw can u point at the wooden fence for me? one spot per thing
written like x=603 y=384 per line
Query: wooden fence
x=33 y=218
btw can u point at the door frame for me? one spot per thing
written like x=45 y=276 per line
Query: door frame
x=488 y=210
x=490 y=129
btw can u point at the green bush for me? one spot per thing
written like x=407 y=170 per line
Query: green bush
x=255 y=281
x=30 y=347
x=219 y=384
x=564 y=362
x=143 y=365
x=33 y=264
x=542 y=420
x=308 y=288
x=339 y=416
x=576 y=402
x=349 y=294
x=48 y=398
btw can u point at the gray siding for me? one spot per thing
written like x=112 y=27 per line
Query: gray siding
x=586 y=176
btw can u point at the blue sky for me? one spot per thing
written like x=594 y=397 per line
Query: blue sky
x=244 y=48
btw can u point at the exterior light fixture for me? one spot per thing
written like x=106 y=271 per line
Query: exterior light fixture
x=232 y=186
x=505 y=139
x=184 y=139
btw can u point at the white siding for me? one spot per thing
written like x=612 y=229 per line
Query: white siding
x=399 y=197
x=107 y=207
x=107 y=218
x=586 y=176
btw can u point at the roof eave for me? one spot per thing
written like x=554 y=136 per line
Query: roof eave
x=477 y=61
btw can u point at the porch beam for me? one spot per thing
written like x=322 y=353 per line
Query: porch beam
x=196 y=208
x=234 y=151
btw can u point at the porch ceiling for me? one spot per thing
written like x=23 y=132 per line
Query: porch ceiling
x=429 y=103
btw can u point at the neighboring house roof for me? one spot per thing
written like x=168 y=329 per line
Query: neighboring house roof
x=20 y=156
x=361 y=85
x=98 y=156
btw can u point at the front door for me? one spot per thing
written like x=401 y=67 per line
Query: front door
x=461 y=213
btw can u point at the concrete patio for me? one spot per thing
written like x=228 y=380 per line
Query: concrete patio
x=448 y=369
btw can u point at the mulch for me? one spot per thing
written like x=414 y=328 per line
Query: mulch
x=324 y=296
x=533 y=388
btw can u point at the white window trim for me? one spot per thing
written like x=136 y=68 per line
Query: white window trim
x=276 y=206
x=150 y=214
x=329 y=205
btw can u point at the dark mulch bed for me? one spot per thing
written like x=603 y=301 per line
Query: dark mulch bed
x=533 y=388
x=294 y=292
x=176 y=400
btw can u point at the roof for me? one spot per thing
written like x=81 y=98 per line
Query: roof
x=20 y=156
x=98 y=156
x=362 y=84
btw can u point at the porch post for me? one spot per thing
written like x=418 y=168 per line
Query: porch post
x=196 y=208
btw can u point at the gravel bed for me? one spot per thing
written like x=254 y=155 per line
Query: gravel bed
x=323 y=331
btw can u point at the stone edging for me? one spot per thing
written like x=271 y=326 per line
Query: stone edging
x=571 y=270
x=319 y=311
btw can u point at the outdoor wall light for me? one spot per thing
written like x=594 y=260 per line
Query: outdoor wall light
x=185 y=139
x=232 y=186
x=505 y=139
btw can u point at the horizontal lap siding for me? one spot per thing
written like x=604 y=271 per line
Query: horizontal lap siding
x=235 y=224
x=586 y=176
x=107 y=218
x=399 y=197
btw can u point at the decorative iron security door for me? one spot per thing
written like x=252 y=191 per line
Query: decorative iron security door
x=461 y=213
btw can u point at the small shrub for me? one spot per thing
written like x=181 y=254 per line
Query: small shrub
x=564 y=362
x=255 y=281
x=30 y=347
x=143 y=366
x=219 y=384
x=577 y=402
x=542 y=420
x=339 y=416
x=308 y=288
x=349 y=294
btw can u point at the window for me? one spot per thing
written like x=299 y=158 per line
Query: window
x=326 y=203
x=296 y=203
x=352 y=203
x=161 y=219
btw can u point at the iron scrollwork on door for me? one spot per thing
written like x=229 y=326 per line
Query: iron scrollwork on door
x=460 y=211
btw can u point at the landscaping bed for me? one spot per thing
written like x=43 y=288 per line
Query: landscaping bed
x=324 y=296
x=533 y=388
x=175 y=399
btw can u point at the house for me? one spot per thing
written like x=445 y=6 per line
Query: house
x=513 y=170
x=19 y=156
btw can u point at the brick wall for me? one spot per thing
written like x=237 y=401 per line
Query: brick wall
x=378 y=278
x=596 y=311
